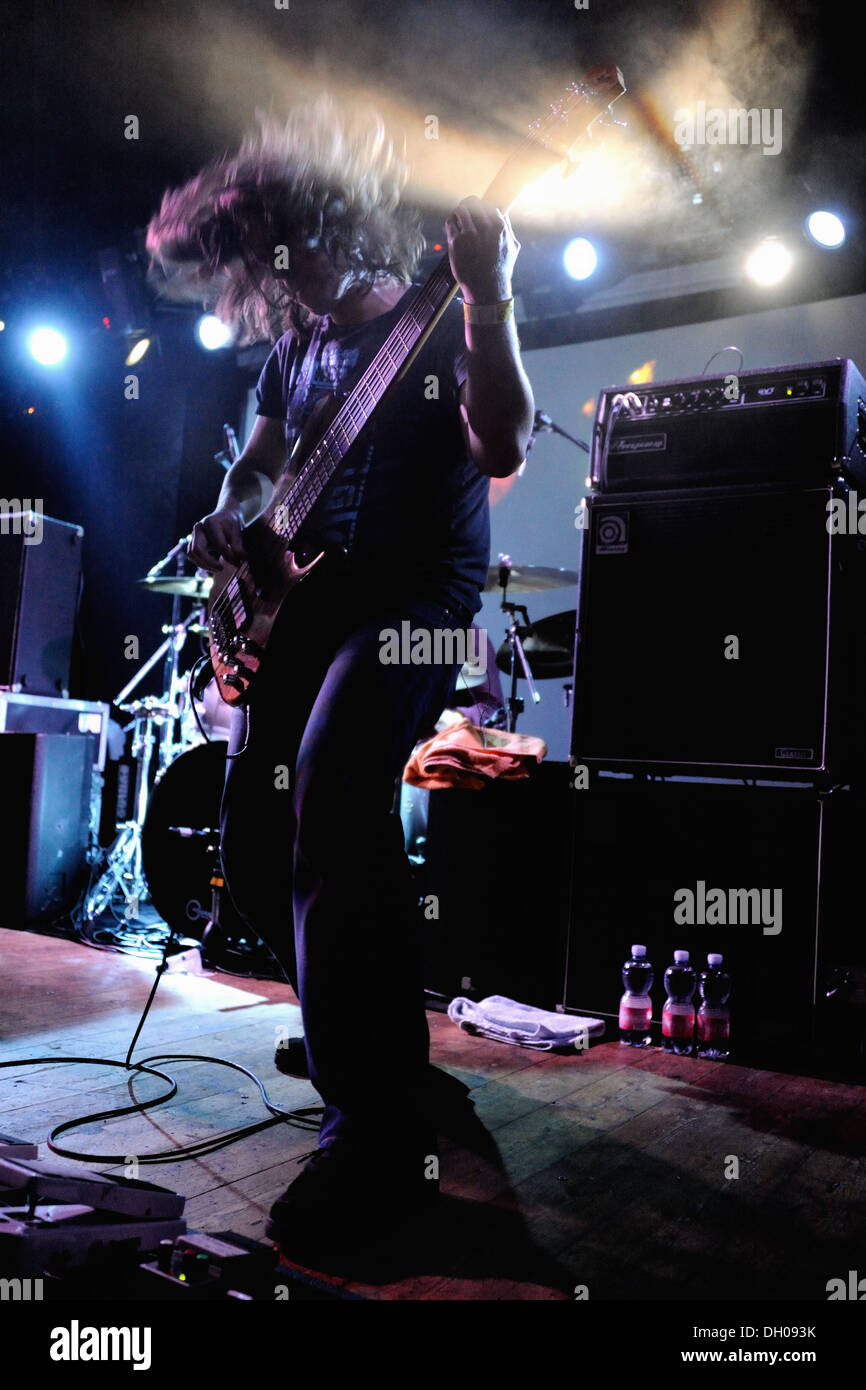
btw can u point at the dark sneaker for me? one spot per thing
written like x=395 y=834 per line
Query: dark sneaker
x=291 y=1059
x=346 y=1195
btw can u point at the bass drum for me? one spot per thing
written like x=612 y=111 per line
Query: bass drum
x=180 y=841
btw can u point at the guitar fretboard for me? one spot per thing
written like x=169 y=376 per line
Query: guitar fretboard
x=290 y=507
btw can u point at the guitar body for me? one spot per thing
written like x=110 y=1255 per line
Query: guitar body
x=245 y=599
x=254 y=610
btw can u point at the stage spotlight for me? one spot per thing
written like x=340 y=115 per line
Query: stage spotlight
x=47 y=346
x=826 y=228
x=769 y=262
x=137 y=351
x=212 y=333
x=580 y=258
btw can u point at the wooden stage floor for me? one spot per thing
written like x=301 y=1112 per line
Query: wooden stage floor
x=605 y=1170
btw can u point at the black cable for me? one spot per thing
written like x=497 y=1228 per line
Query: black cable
x=731 y=347
x=190 y=681
x=308 y=1117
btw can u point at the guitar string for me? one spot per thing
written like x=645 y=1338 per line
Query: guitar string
x=323 y=450
x=383 y=367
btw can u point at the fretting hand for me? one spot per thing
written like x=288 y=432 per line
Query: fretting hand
x=482 y=249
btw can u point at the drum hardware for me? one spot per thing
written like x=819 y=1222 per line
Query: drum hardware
x=180 y=839
x=522 y=641
x=173 y=682
x=162 y=728
x=514 y=635
x=194 y=586
x=529 y=579
x=544 y=642
x=123 y=871
x=549 y=646
x=180 y=849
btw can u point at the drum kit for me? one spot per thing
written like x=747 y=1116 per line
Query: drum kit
x=167 y=850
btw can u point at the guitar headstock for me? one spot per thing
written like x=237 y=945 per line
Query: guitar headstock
x=551 y=138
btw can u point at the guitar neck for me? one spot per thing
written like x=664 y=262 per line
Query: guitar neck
x=291 y=505
x=293 y=501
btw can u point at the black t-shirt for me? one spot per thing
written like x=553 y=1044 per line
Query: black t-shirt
x=409 y=505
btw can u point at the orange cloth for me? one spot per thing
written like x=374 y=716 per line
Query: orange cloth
x=462 y=755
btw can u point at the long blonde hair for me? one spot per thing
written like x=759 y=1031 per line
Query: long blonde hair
x=323 y=176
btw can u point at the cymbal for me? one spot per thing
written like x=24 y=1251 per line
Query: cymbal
x=530 y=579
x=186 y=585
x=549 y=648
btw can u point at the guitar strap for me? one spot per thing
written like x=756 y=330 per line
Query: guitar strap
x=299 y=395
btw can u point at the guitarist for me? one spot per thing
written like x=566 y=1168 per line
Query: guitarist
x=304 y=233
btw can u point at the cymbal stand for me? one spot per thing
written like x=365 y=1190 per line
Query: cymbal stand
x=155 y=720
x=123 y=872
x=177 y=695
x=514 y=635
x=175 y=699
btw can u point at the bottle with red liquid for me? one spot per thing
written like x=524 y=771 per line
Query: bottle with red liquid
x=714 y=1016
x=635 y=1006
x=678 y=1014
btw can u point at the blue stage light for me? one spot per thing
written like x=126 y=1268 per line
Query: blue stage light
x=580 y=258
x=212 y=333
x=826 y=228
x=48 y=346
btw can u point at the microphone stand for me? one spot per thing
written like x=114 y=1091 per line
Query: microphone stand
x=544 y=425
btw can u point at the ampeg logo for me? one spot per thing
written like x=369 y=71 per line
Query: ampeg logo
x=795 y=755
x=611 y=537
x=639 y=444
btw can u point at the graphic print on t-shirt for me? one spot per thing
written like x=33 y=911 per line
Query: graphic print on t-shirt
x=408 y=503
x=336 y=521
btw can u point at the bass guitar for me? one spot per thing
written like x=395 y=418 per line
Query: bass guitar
x=245 y=599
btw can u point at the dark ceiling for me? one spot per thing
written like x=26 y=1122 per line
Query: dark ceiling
x=194 y=72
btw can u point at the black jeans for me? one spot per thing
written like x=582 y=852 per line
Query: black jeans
x=313 y=849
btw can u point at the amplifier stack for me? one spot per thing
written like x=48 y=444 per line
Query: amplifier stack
x=786 y=425
x=721 y=639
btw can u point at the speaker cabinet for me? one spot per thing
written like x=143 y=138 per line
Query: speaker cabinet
x=719 y=630
x=46 y=780
x=39 y=586
x=640 y=846
x=497 y=865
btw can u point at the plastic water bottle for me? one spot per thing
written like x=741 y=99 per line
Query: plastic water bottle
x=635 y=1006
x=714 y=1016
x=678 y=1014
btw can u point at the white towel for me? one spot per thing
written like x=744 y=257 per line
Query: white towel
x=506 y=1020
